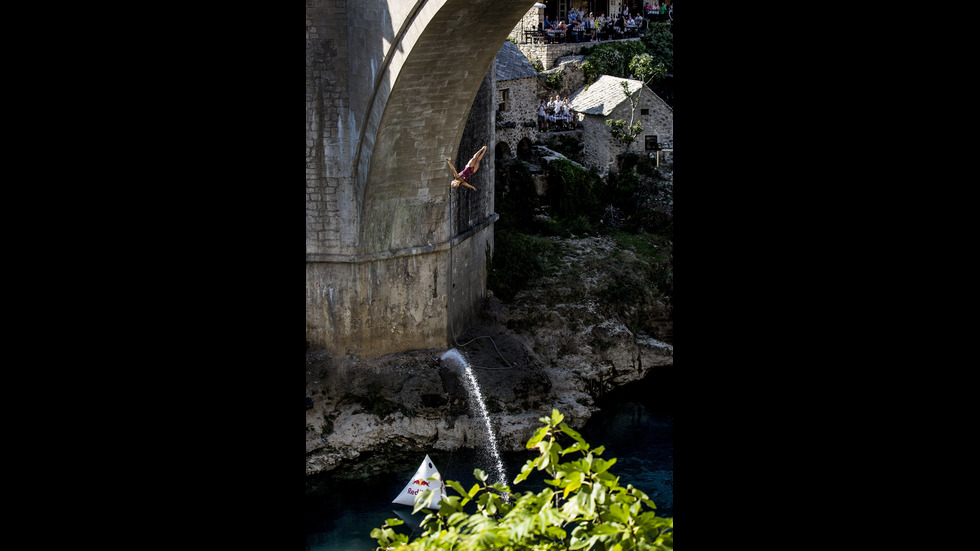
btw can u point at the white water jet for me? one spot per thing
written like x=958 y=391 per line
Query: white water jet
x=474 y=389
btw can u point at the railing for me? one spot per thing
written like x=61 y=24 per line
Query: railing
x=551 y=36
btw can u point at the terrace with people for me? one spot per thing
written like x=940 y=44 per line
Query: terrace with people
x=580 y=25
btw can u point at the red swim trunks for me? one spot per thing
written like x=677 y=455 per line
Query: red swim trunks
x=466 y=173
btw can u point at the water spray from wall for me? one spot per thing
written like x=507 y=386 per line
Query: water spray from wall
x=476 y=397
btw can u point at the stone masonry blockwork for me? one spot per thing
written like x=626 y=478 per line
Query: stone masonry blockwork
x=389 y=96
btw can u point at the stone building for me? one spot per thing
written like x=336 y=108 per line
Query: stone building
x=528 y=23
x=568 y=69
x=518 y=94
x=604 y=99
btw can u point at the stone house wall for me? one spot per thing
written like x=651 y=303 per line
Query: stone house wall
x=601 y=147
x=545 y=56
x=520 y=120
x=529 y=22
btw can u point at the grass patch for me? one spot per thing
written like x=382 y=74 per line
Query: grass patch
x=518 y=258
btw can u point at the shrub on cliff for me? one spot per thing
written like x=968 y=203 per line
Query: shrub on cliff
x=516 y=259
x=611 y=58
x=514 y=195
x=573 y=193
x=587 y=509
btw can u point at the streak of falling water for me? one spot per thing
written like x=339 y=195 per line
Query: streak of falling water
x=474 y=389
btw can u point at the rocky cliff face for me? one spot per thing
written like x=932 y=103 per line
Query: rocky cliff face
x=554 y=346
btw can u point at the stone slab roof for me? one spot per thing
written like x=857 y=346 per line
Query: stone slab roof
x=512 y=64
x=602 y=96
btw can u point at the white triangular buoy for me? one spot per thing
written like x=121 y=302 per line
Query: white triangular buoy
x=427 y=477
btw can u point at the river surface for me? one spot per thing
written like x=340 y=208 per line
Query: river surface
x=635 y=424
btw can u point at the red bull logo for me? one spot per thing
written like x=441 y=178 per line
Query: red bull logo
x=420 y=482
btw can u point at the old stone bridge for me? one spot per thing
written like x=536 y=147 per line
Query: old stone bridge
x=395 y=257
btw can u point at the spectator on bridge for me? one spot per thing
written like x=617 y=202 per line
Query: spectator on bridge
x=618 y=27
x=547 y=23
x=589 y=23
x=542 y=117
x=471 y=168
x=600 y=26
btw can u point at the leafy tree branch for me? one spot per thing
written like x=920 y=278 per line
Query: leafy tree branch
x=584 y=507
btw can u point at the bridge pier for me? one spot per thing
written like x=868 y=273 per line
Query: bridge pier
x=395 y=258
x=367 y=306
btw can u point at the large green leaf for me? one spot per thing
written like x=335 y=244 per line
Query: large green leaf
x=570 y=432
x=574 y=482
x=537 y=437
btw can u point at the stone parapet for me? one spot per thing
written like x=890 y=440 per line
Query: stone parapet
x=545 y=56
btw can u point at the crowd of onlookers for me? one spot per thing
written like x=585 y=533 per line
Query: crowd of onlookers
x=584 y=25
x=555 y=114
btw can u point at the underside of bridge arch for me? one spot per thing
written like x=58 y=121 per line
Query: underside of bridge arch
x=402 y=265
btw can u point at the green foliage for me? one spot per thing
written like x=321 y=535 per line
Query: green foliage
x=643 y=164
x=572 y=191
x=554 y=80
x=630 y=282
x=639 y=283
x=650 y=247
x=645 y=68
x=579 y=225
x=642 y=196
x=568 y=145
x=515 y=195
x=584 y=507
x=623 y=131
x=611 y=58
x=516 y=259
x=620 y=190
x=658 y=42
x=626 y=132
x=649 y=59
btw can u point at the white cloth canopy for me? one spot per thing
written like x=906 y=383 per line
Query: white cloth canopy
x=421 y=481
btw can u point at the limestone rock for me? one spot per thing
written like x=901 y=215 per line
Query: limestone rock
x=529 y=356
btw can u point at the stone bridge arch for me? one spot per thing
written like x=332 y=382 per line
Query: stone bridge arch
x=395 y=257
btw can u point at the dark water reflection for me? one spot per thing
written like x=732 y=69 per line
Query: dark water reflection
x=636 y=426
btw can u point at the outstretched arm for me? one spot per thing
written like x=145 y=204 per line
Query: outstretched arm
x=451 y=167
x=465 y=183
